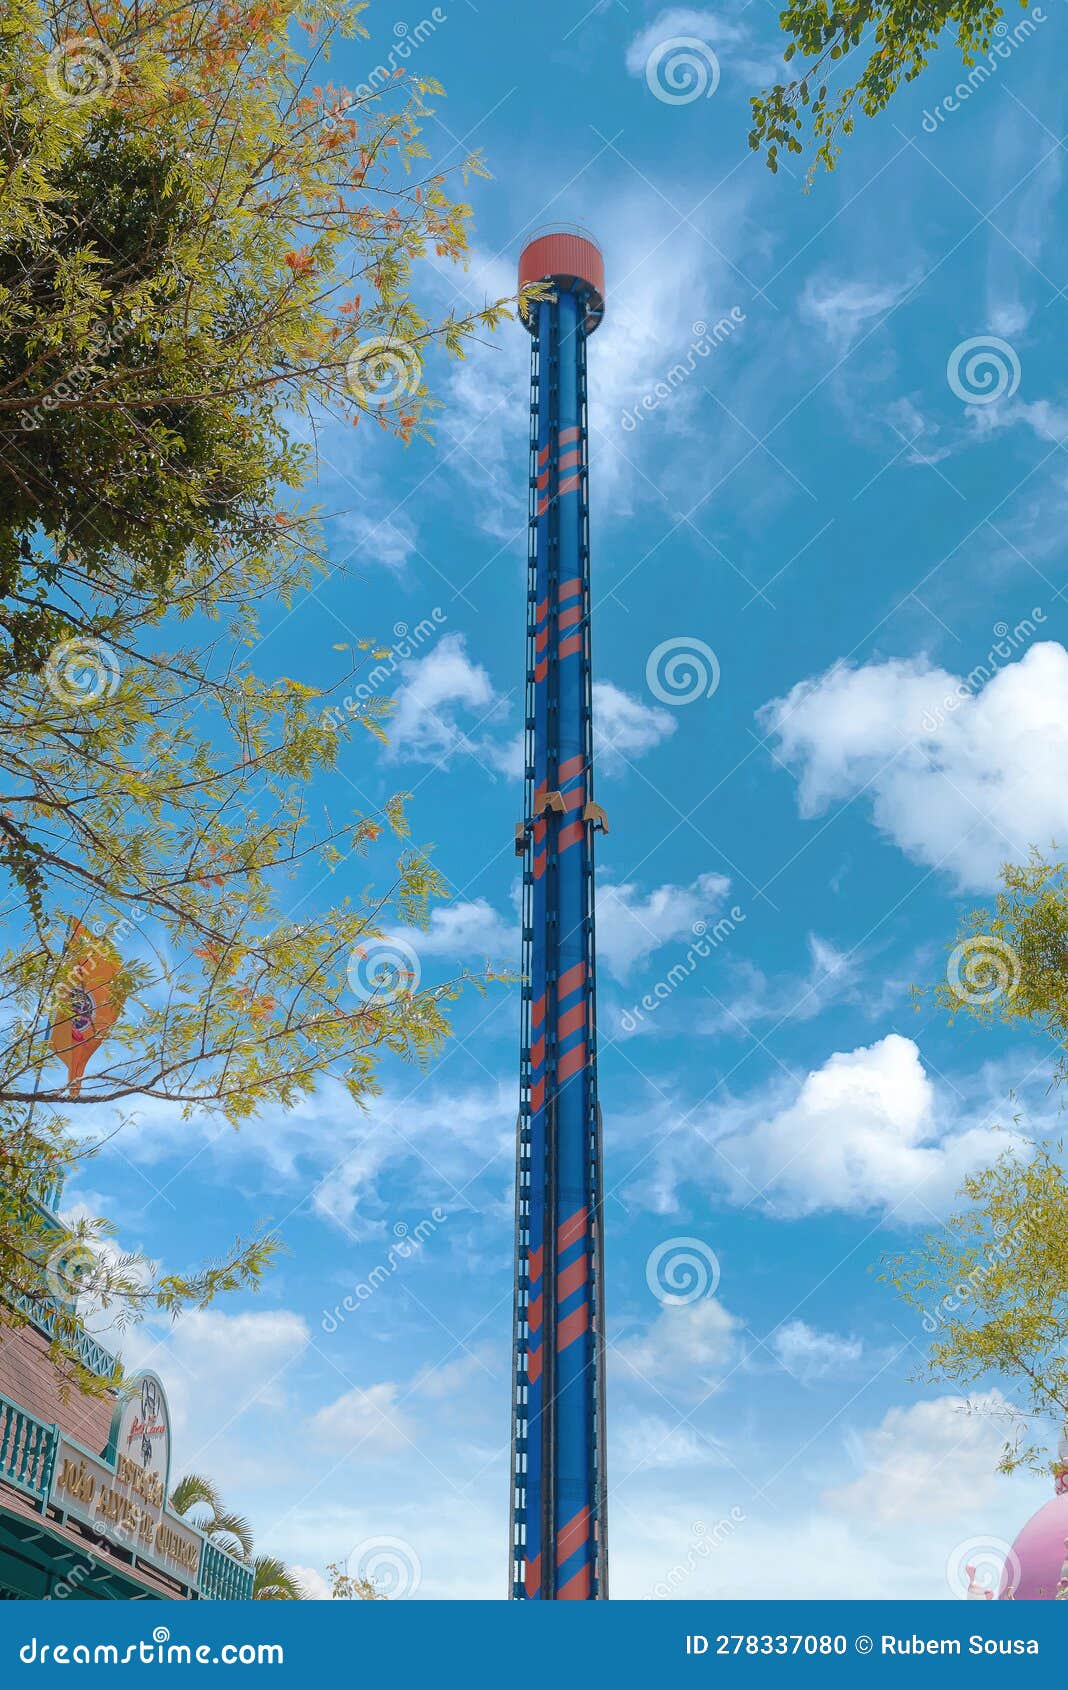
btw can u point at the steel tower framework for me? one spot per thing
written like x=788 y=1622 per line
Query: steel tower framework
x=558 y=1536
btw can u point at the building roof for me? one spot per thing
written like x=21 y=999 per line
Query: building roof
x=28 y=1377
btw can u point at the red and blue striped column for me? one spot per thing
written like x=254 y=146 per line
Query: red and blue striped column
x=559 y=1546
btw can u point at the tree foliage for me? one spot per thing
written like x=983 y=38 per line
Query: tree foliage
x=855 y=57
x=992 y=1288
x=198 y=1499
x=992 y=1291
x=200 y=238
x=347 y=1587
x=1009 y=963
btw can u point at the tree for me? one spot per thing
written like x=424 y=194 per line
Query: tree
x=344 y=1587
x=992 y=1291
x=197 y=239
x=892 y=39
x=198 y=1500
x=1009 y=963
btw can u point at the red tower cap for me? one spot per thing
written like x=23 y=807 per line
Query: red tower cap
x=568 y=256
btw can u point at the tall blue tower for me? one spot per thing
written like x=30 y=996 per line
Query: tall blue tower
x=559 y=1544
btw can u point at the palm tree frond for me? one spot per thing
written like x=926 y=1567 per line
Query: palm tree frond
x=273 y=1581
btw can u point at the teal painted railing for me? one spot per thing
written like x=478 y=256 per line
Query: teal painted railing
x=44 y=1313
x=222 y=1577
x=27 y=1450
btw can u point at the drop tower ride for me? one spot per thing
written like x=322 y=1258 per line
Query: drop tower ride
x=558 y=1536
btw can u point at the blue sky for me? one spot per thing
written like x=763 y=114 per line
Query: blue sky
x=837 y=506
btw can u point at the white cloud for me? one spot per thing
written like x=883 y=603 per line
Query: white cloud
x=649 y=1441
x=961 y=772
x=932 y=1461
x=862 y=1133
x=632 y=924
x=737 y=47
x=453 y=1378
x=441 y=693
x=832 y=976
x=387 y=541
x=408 y=1132
x=688 y=1344
x=810 y=1355
x=312 y=1583
x=368 y=1420
x=447 y=705
x=842 y=310
x=218 y=1369
x=468 y=927
x=625 y=726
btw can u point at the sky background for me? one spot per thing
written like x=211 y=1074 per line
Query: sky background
x=851 y=518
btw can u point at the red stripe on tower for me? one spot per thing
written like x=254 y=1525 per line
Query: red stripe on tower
x=571 y=1230
x=569 y=981
x=572 y=1536
x=571 y=1021
x=576 y=1589
x=569 y=1280
x=572 y=1063
x=572 y=1327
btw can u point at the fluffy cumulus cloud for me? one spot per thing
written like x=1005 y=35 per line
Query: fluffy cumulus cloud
x=631 y=924
x=863 y=1133
x=445 y=705
x=626 y=726
x=961 y=772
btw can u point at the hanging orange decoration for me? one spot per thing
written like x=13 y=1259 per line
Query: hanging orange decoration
x=87 y=1001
